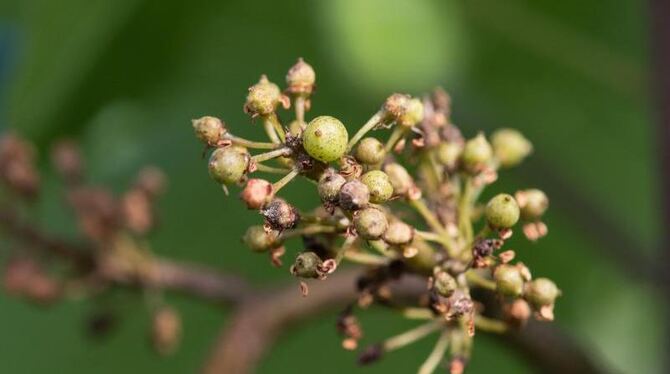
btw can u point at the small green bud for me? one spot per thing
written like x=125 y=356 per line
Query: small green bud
x=228 y=165
x=370 y=151
x=354 y=195
x=301 y=78
x=448 y=154
x=444 y=283
x=398 y=233
x=533 y=203
x=306 y=265
x=477 y=153
x=208 y=129
x=260 y=240
x=325 y=138
x=400 y=179
x=502 y=211
x=263 y=98
x=509 y=281
x=370 y=223
x=413 y=113
x=542 y=291
x=330 y=185
x=280 y=215
x=379 y=184
x=510 y=147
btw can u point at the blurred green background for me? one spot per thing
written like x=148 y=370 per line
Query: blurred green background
x=125 y=77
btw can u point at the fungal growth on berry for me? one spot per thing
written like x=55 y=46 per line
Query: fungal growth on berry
x=403 y=204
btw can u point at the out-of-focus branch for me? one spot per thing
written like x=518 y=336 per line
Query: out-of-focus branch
x=262 y=315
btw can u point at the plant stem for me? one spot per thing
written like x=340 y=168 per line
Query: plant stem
x=397 y=134
x=308 y=230
x=475 y=279
x=270 y=131
x=490 y=325
x=274 y=121
x=410 y=336
x=464 y=210
x=250 y=144
x=436 y=355
x=300 y=110
x=372 y=122
x=270 y=169
x=278 y=185
x=270 y=155
x=417 y=313
x=365 y=258
x=420 y=206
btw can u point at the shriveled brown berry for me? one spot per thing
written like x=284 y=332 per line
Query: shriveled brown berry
x=354 y=195
x=329 y=186
x=307 y=265
x=280 y=215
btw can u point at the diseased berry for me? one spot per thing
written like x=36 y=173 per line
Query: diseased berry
x=228 y=165
x=542 y=291
x=256 y=193
x=509 y=281
x=370 y=223
x=510 y=147
x=354 y=195
x=444 y=283
x=330 y=185
x=413 y=113
x=533 y=203
x=307 y=265
x=398 y=233
x=208 y=129
x=502 y=211
x=258 y=239
x=280 y=215
x=263 y=98
x=301 y=78
x=477 y=154
x=325 y=138
x=400 y=179
x=379 y=185
x=370 y=151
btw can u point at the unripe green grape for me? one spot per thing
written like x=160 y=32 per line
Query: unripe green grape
x=509 y=281
x=354 y=195
x=379 y=185
x=370 y=151
x=263 y=97
x=398 y=233
x=533 y=203
x=399 y=178
x=502 y=211
x=542 y=291
x=330 y=185
x=477 y=153
x=260 y=240
x=510 y=147
x=228 y=165
x=208 y=129
x=413 y=113
x=370 y=223
x=448 y=154
x=325 y=138
x=306 y=265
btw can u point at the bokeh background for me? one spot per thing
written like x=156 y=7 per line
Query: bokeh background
x=125 y=77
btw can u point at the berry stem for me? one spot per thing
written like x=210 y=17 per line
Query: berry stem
x=476 y=279
x=490 y=325
x=276 y=126
x=271 y=169
x=278 y=185
x=300 y=110
x=271 y=154
x=417 y=313
x=308 y=230
x=369 y=125
x=411 y=336
x=397 y=134
x=420 y=206
x=436 y=355
x=464 y=210
x=432 y=237
x=365 y=258
x=250 y=144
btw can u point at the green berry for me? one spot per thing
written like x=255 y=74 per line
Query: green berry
x=448 y=154
x=260 y=240
x=533 y=203
x=400 y=179
x=263 y=98
x=325 y=138
x=301 y=77
x=509 y=281
x=330 y=185
x=413 y=113
x=398 y=233
x=477 y=153
x=370 y=223
x=502 y=211
x=354 y=195
x=208 y=129
x=379 y=185
x=510 y=147
x=228 y=165
x=306 y=265
x=542 y=291
x=444 y=283
x=370 y=151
